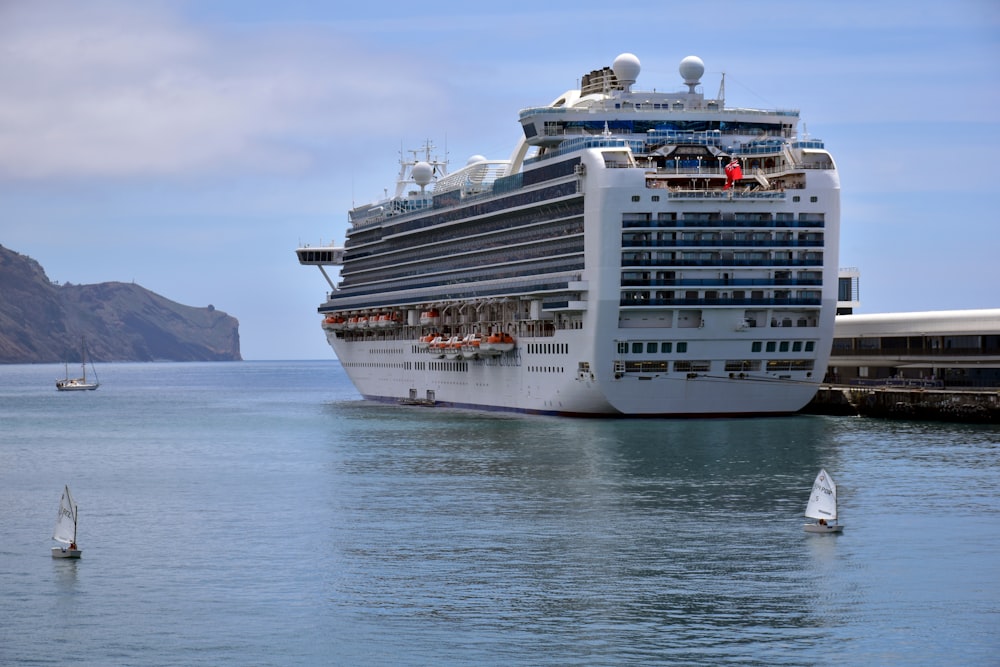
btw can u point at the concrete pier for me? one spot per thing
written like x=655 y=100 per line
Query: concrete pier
x=974 y=407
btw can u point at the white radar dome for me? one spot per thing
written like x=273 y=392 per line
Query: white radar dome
x=626 y=67
x=474 y=159
x=422 y=173
x=691 y=69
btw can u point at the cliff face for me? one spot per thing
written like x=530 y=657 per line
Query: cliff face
x=44 y=323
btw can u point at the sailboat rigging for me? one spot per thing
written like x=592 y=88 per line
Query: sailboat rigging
x=80 y=383
x=65 y=530
x=822 y=505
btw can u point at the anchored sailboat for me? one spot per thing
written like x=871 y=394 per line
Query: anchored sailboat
x=822 y=505
x=65 y=531
x=80 y=383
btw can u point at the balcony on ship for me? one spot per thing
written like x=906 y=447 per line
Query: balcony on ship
x=634 y=299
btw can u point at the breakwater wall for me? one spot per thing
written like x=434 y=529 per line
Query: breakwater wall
x=975 y=407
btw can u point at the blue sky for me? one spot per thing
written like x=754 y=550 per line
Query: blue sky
x=192 y=146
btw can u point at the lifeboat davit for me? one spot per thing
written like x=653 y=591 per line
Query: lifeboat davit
x=453 y=348
x=424 y=342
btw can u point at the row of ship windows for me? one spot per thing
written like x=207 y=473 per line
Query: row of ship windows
x=690 y=219
x=737 y=295
x=457 y=365
x=804 y=257
x=650 y=366
x=677 y=278
x=680 y=347
x=547 y=348
x=645 y=239
x=650 y=347
x=406 y=365
x=920 y=344
x=735 y=218
x=795 y=198
x=705 y=366
x=410 y=365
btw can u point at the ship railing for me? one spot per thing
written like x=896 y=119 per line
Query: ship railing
x=723 y=222
x=724 y=243
x=724 y=284
x=576 y=143
x=714 y=167
x=720 y=262
x=643 y=108
x=909 y=383
x=356 y=299
x=725 y=194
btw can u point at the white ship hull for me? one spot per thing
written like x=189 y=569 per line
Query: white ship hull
x=393 y=368
x=480 y=384
x=633 y=274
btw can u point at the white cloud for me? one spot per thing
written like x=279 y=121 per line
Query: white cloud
x=108 y=89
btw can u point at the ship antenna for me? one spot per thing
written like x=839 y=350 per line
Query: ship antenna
x=722 y=90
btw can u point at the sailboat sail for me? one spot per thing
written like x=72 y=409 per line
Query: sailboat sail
x=65 y=530
x=823 y=499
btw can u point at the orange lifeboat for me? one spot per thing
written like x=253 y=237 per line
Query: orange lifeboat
x=333 y=322
x=497 y=343
x=430 y=317
x=424 y=342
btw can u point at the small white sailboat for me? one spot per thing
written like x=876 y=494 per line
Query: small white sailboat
x=80 y=383
x=822 y=505
x=65 y=531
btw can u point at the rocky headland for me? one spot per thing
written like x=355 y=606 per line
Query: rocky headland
x=43 y=322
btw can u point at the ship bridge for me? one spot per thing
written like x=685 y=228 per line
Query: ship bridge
x=321 y=256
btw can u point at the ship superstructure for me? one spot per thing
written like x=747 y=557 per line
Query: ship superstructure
x=640 y=253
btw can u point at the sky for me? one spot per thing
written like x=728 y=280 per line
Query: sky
x=190 y=146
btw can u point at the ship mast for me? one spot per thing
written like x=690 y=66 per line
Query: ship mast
x=405 y=177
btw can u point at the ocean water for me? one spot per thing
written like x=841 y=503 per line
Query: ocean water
x=260 y=513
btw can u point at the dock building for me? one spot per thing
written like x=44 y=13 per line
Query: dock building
x=951 y=349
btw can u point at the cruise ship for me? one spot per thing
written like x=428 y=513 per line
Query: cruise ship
x=640 y=253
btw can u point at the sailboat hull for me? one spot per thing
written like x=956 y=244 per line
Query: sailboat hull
x=817 y=528
x=75 y=385
x=66 y=552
